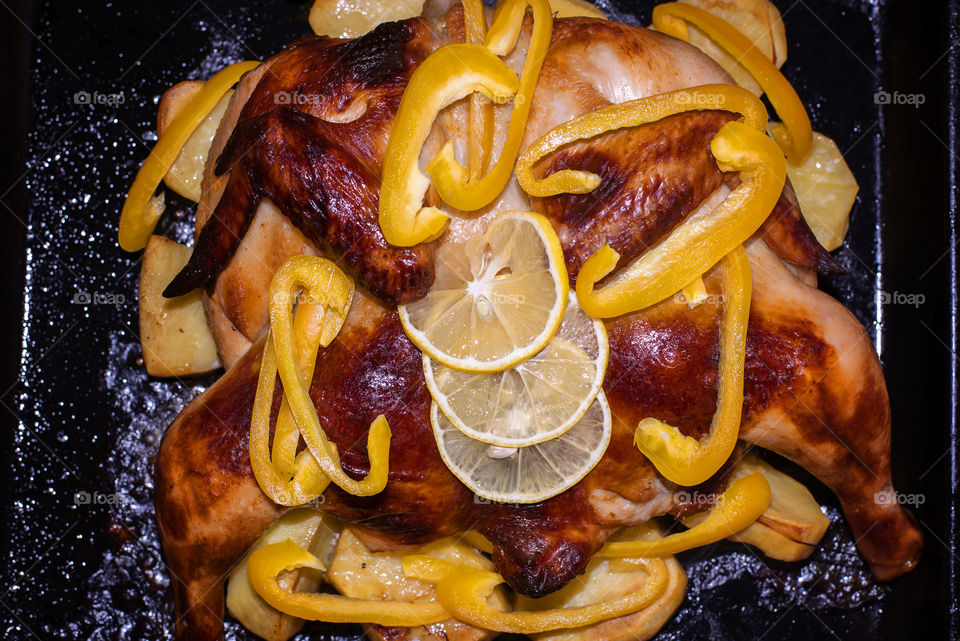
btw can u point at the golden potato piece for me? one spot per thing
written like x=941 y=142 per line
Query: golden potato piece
x=759 y=20
x=353 y=18
x=793 y=524
x=573 y=8
x=310 y=529
x=359 y=573
x=174 y=100
x=174 y=335
x=607 y=579
x=825 y=188
x=793 y=511
x=186 y=173
x=773 y=544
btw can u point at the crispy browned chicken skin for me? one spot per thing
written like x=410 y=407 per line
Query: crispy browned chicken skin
x=814 y=390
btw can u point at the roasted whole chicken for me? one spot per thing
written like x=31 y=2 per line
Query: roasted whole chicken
x=286 y=178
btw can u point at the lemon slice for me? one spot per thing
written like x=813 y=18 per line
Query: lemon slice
x=498 y=297
x=535 y=400
x=526 y=474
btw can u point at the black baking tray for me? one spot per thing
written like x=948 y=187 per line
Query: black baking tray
x=80 y=81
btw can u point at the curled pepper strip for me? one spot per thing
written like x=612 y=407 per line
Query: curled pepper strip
x=291 y=478
x=700 y=241
x=268 y=562
x=463 y=592
x=447 y=75
x=136 y=221
x=481 y=109
x=669 y=18
x=737 y=508
x=289 y=484
x=627 y=114
x=314 y=327
x=330 y=287
x=452 y=181
x=688 y=461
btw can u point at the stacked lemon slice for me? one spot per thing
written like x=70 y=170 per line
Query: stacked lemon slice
x=514 y=365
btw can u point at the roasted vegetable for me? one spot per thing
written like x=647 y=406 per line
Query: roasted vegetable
x=359 y=573
x=174 y=335
x=607 y=580
x=758 y=20
x=316 y=531
x=186 y=173
x=791 y=526
x=826 y=189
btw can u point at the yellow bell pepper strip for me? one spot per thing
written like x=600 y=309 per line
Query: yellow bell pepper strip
x=332 y=288
x=268 y=562
x=700 y=241
x=737 y=508
x=136 y=222
x=306 y=481
x=627 y=114
x=669 y=18
x=481 y=109
x=447 y=75
x=309 y=324
x=477 y=540
x=449 y=177
x=688 y=461
x=463 y=592
x=291 y=478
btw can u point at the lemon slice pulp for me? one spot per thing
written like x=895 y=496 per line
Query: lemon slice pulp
x=498 y=297
x=535 y=400
x=526 y=474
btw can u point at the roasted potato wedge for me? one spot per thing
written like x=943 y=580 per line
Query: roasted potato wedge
x=792 y=525
x=174 y=100
x=353 y=18
x=186 y=173
x=611 y=579
x=174 y=335
x=359 y=573
x=759 y=20
x=312 y=530
x=826 y=189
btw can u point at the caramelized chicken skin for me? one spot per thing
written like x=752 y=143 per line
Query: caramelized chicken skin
x=814 y=389
x=318 y=159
